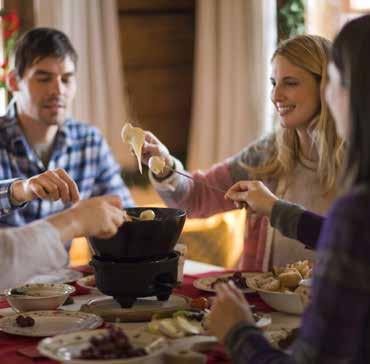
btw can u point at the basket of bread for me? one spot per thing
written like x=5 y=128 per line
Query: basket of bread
x=286 y=289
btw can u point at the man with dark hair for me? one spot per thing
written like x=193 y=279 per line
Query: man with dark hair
x=36 y=135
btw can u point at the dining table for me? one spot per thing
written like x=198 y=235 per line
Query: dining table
x=16 y=349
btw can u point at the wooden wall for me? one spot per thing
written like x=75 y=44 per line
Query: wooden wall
x=157 y=40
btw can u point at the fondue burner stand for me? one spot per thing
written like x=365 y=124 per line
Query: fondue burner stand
x=128 y=279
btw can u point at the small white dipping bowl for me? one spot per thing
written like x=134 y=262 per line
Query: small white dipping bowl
x=38 y=296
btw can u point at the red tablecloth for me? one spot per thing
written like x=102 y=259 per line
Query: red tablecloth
x=10 y=345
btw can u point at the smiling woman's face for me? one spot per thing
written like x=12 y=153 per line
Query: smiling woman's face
x=295 y=93
x=337 y=97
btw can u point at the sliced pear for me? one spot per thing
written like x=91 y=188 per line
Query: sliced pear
x=190 y=327
x=135 y=137
x=170 y=329
x=153 y=327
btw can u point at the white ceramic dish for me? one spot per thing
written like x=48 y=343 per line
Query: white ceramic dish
x=65 y=348
x=284 y=302
x=49 y=323
x=205 y=284
x=60 y=276
x=39 y=296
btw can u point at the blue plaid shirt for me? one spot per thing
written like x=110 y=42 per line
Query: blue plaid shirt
x=80 y=149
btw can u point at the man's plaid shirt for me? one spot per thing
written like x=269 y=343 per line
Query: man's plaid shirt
x=79 y=148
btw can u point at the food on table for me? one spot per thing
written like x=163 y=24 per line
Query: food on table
x=113 y=345
x=25 y=321
x=156 y=164
x=17 y=291
x=178 y=324
x=285 y=279
x=135 y=137
x=191 y=327
x=29 y=292
x=305 y=293
x=238 y=279
x=147 y=215
x=200 y=303
x=69 y=301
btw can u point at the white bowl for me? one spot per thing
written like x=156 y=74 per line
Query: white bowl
x=283 y=302
x=38 y=296
x=290 y=302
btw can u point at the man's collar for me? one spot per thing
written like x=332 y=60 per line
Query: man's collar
x=17 y=133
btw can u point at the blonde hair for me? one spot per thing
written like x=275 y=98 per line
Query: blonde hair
x=312 y=54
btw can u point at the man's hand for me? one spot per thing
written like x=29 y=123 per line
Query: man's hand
x=99 y=216
x=51 y=185
x=253 y=193
x=229 y=308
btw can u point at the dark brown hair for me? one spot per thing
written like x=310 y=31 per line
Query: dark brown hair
x=351 y=55
x=40 y=43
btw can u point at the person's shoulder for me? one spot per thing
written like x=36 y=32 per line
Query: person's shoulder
x=6 y=122
x=259 y=151
x=354 y=205
x=81 y=130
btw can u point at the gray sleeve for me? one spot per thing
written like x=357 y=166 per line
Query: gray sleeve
x=285 y=217
x=29 y=250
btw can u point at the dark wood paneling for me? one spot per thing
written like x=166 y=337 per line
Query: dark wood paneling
x=157 y=39
x=155 y=5
x=160 y=90
x=171 y=130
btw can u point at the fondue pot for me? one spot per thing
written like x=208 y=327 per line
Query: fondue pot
x=139 y=261
x=137 y=240
x=128 y=281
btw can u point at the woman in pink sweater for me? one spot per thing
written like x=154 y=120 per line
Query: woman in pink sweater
x=299 y=162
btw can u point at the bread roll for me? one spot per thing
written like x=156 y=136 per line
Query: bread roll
x=290 y=279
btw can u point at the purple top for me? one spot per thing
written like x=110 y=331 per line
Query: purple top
x=336 y=324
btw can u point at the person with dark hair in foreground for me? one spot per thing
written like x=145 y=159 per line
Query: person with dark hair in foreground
x=335 y=326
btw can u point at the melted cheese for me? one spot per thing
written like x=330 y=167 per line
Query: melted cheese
x=135 y=137
x=156 y=164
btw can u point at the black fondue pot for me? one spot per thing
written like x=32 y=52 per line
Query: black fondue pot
x=128 y=281
x=139 y=261
x=139 y=240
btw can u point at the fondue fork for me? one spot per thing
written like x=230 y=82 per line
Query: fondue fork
x=197 y=181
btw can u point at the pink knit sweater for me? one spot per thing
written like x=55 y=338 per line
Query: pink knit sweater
x=200 y=201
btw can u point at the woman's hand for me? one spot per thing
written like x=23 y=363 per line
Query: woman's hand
x=255 y=194
x=229 y=308
x=153 y=147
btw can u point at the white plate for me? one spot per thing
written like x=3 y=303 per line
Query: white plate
x=49 y=323
x=60 y=276
x=88 y=282
x=65 y=348
x=205 y=284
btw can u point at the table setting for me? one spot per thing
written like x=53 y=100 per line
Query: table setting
x=129 y=298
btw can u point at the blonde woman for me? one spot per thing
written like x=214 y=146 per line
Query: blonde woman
x=299 y=162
